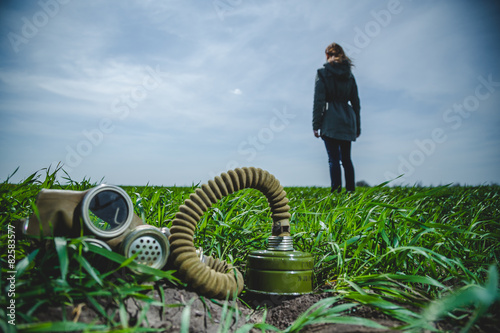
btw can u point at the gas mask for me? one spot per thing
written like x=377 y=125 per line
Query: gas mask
x=105 y=215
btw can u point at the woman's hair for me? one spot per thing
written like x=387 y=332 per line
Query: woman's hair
x=337 y=52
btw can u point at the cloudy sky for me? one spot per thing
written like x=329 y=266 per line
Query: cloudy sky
x=176 y=92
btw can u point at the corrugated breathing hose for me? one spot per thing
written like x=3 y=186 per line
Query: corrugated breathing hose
x=213 y=277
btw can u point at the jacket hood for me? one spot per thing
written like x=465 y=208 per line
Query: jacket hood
x=341 y=70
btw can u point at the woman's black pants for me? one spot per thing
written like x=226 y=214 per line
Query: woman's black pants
x=339 y=150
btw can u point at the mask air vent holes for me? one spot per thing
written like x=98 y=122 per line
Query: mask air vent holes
x=149 y=244
x=149 y=249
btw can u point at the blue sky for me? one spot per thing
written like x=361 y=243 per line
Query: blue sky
x=176 y=92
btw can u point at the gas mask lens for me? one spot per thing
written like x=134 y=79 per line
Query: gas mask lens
x=107 y=211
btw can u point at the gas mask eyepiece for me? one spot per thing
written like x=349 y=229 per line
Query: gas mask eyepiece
x=107 y=211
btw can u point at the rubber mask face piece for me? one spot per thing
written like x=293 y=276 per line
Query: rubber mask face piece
x=105 y=212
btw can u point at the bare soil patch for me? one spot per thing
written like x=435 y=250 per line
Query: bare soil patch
x=206 y=314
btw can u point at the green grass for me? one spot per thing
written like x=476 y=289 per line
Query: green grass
x=417 y=254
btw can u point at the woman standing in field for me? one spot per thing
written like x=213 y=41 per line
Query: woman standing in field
x=336 y=114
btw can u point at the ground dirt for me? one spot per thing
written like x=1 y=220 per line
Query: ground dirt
x=205 y=314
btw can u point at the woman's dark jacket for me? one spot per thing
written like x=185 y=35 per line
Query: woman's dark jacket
x=335 y=87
